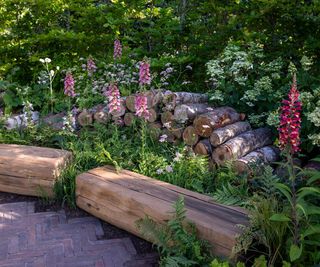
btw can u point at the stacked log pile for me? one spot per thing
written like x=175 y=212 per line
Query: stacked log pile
x=220 y=133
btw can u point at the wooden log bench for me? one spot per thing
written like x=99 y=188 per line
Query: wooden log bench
x=121 y=198
x=30 y=170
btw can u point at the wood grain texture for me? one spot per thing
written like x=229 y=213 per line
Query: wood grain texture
x=125 y=197
x=30 y=170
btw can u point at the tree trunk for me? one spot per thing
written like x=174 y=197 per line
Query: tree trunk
x=167 y=118
x=129 y=118
x=221 y=135
x=178 y=98
x=242 y=144
x=188 y=112
x=85 y=118
x=203 y=147
x=217 y=118
x=252 y=161
x=190 y=137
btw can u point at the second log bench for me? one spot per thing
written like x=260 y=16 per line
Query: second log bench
x=122 y=198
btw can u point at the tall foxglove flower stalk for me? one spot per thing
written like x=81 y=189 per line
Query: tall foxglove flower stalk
x=91 y=66
x=144 y=73
x=69 y=85
x=141 y=106
x=117 y=49
x=114 y=101
x=290 y=121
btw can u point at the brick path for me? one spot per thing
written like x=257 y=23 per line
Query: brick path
x=48 y=239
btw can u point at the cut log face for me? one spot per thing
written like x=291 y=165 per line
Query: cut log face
x=241 y=145
x=129 y=118
x=217 y=118
x=85 y=118
x=122 y=198
x=153 y=115
x=256 y=158
x=155 y=130
x=167 y=118
x=221 y=135
x=102 y=115
x=171 y=138
x=203 y=147
x=176 y=129
x=30 y=170
x=188 y=112
x=130 y=103
x=54 y=121
x=190 y=137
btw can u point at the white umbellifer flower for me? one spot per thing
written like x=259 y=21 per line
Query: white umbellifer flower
x=41 y=60
x=47 y=60
x=159 y=171
x=51 y=73
x=169 y=168
x=163 y=138
x=58 y=68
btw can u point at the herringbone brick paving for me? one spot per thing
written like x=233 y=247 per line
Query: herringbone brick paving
x=48 y=239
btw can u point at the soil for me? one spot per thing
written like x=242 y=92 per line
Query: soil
x=111 y=231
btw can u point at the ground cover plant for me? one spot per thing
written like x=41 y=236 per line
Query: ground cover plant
x=67 y=57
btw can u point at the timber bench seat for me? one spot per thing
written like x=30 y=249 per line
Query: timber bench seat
x=30 y=170
x=121 y=198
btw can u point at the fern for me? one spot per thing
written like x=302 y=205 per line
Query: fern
x=232 y=195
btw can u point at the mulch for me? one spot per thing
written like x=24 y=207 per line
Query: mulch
x=111 y=231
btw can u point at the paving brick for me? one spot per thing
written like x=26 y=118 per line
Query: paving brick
x=48 y=239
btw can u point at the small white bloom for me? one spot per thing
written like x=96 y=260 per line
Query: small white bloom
x=47 y=60
x=41 y=60
x=159 y=171
x=51 y=73
x=206 y=126
x=210 y=109
x=178 y=157
x=167 y=124
x=163 y=138
x=188 y=67
x=169 y=168
x=58 y=68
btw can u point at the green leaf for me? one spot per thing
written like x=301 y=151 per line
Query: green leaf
x=306 y=191
x=295 y=252
x=279 y=217
x=311 y=230
x=285 y=190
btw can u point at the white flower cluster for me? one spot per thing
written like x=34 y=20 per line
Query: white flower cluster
x=314 y=117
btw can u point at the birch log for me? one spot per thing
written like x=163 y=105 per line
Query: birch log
x=221 y=135
x=241 y=145
x=203 y=147
x=256 y=158
x=178 y=98
x=190 y=137
x=188 y=112
x=217 y=118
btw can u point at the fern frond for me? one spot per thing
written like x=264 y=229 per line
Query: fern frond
x=231 y=195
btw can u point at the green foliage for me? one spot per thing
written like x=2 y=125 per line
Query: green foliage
x=176 y=240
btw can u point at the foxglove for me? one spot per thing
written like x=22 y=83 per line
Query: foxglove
x=141 y=106
x=114 y=101
x=117 y=49
x=69 y=85
x=144 y=73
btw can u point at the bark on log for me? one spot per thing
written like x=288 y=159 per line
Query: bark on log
x=122 y=198
x=31 y=170
x=167 y=118
x=221 y=135
x=190 y=137
x=188 y=112
x=178 y=98
x=129 y=118
x=242 y=144
x=255 y=159
x=217 y=118
x=203 y=147
x=85 y=118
